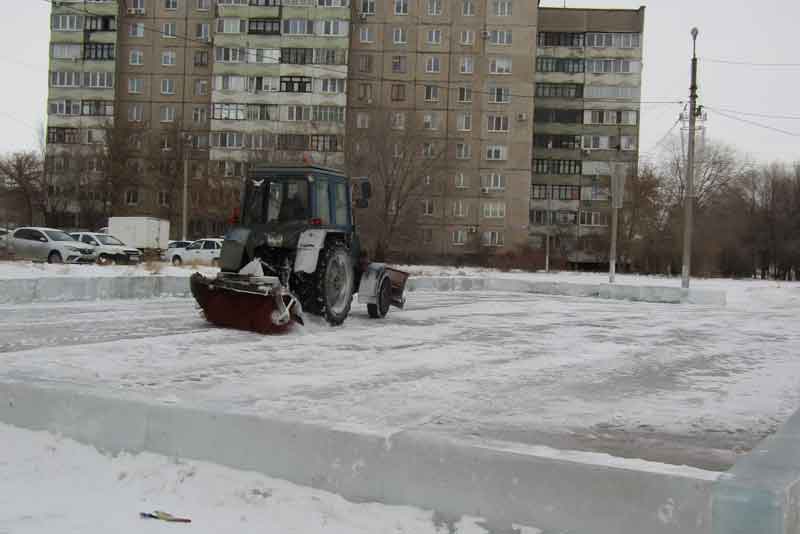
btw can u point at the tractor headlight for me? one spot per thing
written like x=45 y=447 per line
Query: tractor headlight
x=275 y=240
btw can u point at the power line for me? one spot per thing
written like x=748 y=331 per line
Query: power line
x=417 y=83
x=749 y=63
x=761 y=115
x=752 y=123
x=666 y=135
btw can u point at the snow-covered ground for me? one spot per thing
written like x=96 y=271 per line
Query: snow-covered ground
x=49 y=484
x=670 y=383
x=29 y=269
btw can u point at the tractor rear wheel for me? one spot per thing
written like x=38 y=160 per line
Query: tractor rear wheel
x=335 y=282
x=383 y=297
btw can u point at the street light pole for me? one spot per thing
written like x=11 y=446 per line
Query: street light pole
x=689 y=194
x=185 y=214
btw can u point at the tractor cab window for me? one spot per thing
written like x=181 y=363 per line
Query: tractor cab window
x=287 y=201
x=341 y=205
x=323 y=201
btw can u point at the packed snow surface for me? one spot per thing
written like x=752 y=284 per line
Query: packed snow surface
x=670 y=383
x=50 y=484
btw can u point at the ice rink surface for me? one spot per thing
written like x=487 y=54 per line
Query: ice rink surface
x=670 y=383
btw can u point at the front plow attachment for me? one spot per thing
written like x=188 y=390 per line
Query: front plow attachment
x=245 y=302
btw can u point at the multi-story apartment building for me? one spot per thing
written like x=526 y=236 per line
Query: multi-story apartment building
x=195 y=89
x=82 y=70
x=460 y=73
x=586 y=126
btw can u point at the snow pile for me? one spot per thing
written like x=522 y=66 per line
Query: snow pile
x=51 y=484
x=27 y=269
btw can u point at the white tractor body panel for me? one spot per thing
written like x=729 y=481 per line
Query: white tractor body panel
x=308 y=247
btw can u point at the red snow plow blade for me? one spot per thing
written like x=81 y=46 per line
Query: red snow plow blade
x=246 y=303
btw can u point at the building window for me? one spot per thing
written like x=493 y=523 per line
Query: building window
x=464 y=95
x=493 y=238
x=430 y=120
x=136 y=29
x=434 y=7
x=594 y=218
x=168 y=58
x=135 y=86
x=264 y=27
x=466 y=37
x=500 y=65
x=460 y=181
x=366 y=35
x=397 y=120
x=433 y=65
x=167 y=113
x=399 y=64
x=398 y=92
x=201 y=87
x=496 y=153
x=365 y=63
x=399 y=36
x=497 y=123
x=171 y=4
x=365 y=92
x=167 y=86
x=612 y=66
x=98 y=51
x=459 y=237
x=169 y=30
x=494 y=210
x=106 y=23
x=362 y=120
x=559 y=90
x=558 y=166
x=468 y=8
x=401 y=7
x=203 y=5
x=464 y=121
x=502 y=8
x=499 y=95
x=460 y=208
x=199 y=113
x=163 y=199
x=428 y=207
x=550 y=141
x=368 y=7
x=296 y=84
x=332 y=85
x=333 y=27
x=463 y=151
x=131 y=197
x=136 y=57
x=566 y=65
x=431 y=93
x=566 y=39
x=434 y=37
x=493 y=182
x=500 y=37
x=201 y=58
x=64 y=107
x=467 y=65
x=613 y=40
x=428 y=151
x=66 y=23
x=98 y=80
x=135 y=112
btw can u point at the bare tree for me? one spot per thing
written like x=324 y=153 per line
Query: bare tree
x=22 y=177
x=397 y=157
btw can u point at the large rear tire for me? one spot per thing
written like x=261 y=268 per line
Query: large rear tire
x=336 y=280
x=55 y=257
x=381 y=307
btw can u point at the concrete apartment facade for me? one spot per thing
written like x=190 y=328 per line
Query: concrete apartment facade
x=586 y=128
x=528 y=104
x=461 y=73
x=202 y=85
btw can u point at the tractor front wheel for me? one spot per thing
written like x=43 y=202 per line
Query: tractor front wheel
x=336 y=282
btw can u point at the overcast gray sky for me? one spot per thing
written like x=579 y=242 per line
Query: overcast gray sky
x=733 y=30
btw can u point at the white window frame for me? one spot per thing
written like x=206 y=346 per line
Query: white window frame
x=432 y=93
x=434 y=8
x=464 y=121
x=466 y=37
x=136 y=30
x=169 y=58
x=400 y=36
x=460 y=181
x=500 y=65
x=366 y=35
x=135 y=86
x=169 y=30
x=433 y=65
x=468 y=8
x=463 y=151
x=401 y=7
x=136 y=57
x=494 y=210
x=496 y=152
x=167 y=86
x=502 y=8
x=434 y=37
x=167 y=113
x=466 y=65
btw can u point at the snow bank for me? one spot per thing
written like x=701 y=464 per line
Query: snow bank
x=35 y=270
x=53 y=484
x=59 y=289
x=580 y=492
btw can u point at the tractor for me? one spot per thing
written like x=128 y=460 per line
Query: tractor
x=295 y=249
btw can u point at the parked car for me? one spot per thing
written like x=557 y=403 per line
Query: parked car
x=203 y=251
x=103 y=230
x=4 y=235
x=50 y=245
x=172 y=247
x=108 y=248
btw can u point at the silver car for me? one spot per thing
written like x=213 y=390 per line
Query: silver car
x=50 y=245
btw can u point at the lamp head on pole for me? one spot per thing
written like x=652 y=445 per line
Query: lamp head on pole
x=695 y=33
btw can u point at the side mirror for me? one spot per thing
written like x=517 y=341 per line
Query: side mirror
x=43 y=239
x=366 y=190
